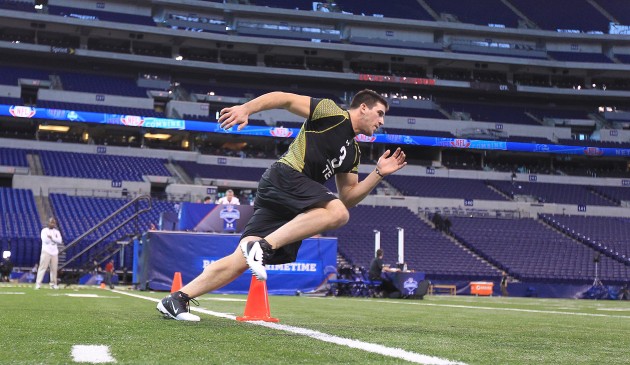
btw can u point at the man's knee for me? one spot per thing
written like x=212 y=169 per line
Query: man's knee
x=339 y=215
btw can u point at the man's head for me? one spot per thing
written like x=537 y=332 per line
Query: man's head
x=52 y=223
x=229 y=193
x=367 y=111
x=379 y=253
x=207 y=200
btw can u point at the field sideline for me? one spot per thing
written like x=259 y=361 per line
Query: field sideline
x=44 y=326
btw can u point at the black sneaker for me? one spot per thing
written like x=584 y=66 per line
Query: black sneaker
x=256 y=253
x=176 y=306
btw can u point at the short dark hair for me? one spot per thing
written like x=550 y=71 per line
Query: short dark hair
x=379 y=252
x=369 y=97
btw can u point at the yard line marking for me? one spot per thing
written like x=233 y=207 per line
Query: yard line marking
x=507 y=309
x=614 y=309
x=90 y=296
x=11 y=292
x=365 y=346
x=224 y=299
x=94 y=354
x=360 y=345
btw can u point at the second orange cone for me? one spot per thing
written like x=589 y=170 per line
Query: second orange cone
x=257 y=306
x=177 y=282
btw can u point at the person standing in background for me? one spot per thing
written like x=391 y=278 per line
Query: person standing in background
x=109 y=272
x=229 y=198
x=51 y=237
x=504 y=284
x=387 y=287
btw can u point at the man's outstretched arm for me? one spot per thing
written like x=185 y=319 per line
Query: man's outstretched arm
x=239 y=114
x=351 y=191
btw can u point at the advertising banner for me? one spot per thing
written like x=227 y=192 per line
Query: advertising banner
x=215 y=218
x=161 y=254
x=281 y=132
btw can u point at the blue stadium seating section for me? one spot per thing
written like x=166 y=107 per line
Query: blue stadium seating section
x=404 y=9
x=593 y=143
x=196 y=170
x=579 y=57
x=495 y=51
x=102 y=84
x=97 y=166
x=418 y=113
x=76 y=215
x=625 y=58
x=100 y=15
x=616 y=8
x=491 y=113
x=524 y=139
x=418 y=132
x=614 y=193
x=528 y=250
x=605 y=234
x=10 y=101
x=10 y=75
x=285 y=4
x=20 y=226
x=440 y=187
x=107 y=109
x=551 y=193
x=16 y=5
x=576 y=15
x=13 y=157
x=481 y=12
x=426 y=249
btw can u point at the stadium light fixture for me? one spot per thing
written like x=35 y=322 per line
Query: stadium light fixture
x=54 y=128
x=160 y=136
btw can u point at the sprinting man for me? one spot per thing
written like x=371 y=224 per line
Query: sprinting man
x=291 y=202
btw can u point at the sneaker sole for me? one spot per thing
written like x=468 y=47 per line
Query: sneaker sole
x=244 y=252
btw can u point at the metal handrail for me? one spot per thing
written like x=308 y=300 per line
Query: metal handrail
x=112 y=231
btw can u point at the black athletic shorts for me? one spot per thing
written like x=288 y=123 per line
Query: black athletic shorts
x=283 y=193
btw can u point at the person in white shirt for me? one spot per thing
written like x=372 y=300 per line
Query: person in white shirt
x=51 y=237
x=229 y=198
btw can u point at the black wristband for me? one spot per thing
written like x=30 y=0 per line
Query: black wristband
x=378 y=173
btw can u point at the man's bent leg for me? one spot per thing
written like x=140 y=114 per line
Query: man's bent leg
x=217 y=275
x=329 y=215
x=332 y=214
x=214 y=276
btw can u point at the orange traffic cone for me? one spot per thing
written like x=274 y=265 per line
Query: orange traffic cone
x=257 y=306
x=177 y=282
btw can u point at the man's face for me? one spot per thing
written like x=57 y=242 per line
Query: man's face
x=229 y=194
x=372 y=118
x=52 y=223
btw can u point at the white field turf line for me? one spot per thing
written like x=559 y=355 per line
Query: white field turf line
x=509 y=309
x=93 y=354
x=365 y=346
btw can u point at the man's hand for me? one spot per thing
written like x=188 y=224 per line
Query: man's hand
x=388 y=164
x=229 y=117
